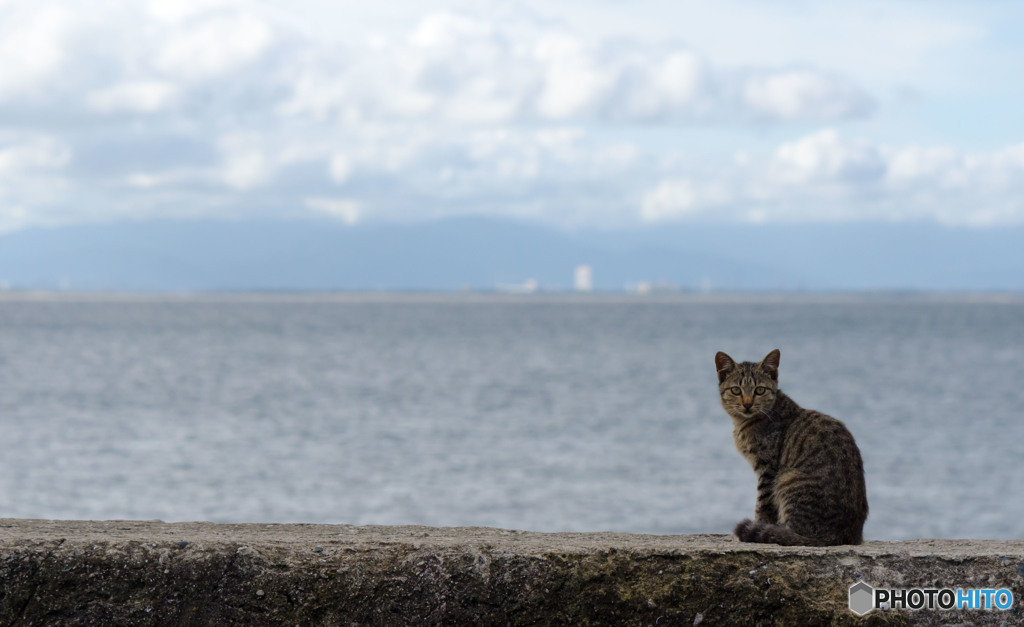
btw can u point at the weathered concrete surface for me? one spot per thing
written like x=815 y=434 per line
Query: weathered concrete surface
x=138 y=573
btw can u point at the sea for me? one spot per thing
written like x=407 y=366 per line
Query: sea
x=536 y=412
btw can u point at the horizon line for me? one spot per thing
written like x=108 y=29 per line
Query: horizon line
x=496 y=296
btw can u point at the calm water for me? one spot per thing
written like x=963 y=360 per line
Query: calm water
x=530 y=414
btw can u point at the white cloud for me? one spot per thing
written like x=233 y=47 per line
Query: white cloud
x=13 y=217
x=679 y=78
x=138 y=96
x=32 y=169
x=573 y=83
x=318 y=95
x=486 y=109
x=214 y=46
x=344 y=209
x=803 y=95
x=247 y=163
x=681 y=198
x=31 y=46
x=669 y=200
x=919 y=164
x=246 y=170
x=825 y=176
x=340 y=168
x=141 y=179
x=875 y=40
x=825 y=157
x=180 y=10
x=23 y=155
x=446 y=29
x=467 y=71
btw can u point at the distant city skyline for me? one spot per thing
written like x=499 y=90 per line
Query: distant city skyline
x=565 y=113
x=490 y=254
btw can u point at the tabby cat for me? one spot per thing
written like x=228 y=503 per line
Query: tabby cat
x=810 y=477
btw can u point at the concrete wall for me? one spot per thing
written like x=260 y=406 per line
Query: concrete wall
x=138 y=573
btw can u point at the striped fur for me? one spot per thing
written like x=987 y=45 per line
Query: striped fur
x=810 y=477
x=749 y=531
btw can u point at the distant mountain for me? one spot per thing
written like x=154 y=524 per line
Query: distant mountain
x=482 y=253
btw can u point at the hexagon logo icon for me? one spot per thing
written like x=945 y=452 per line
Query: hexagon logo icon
x=860 y=598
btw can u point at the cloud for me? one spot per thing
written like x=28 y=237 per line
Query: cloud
x=31 y=46
x=247 y=163
x=827 y=177
x=22 y=155
x=682 y=198
x=185 y=55
x=180 y=10
x=213 y=46
x=670 y=199
x=446 y=29
x=31 y=173
x=916 y=164
x=677 y=83
x=804 y=95
x=233 y=107
x=344 y=209
x=826 y=158
x=572 y=82
x=461 y=70
x=137 y=96
x=340 y=168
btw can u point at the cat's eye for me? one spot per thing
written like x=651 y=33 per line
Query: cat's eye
x=759 y=390
x=736 y=391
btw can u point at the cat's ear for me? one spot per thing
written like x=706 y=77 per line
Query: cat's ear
x=724 y=364
x=771 y=362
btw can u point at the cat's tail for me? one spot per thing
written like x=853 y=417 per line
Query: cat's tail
x=752 y=531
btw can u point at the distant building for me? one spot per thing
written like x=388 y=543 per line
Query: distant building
x=529 y=286
x=584 y=280
x=652 y=287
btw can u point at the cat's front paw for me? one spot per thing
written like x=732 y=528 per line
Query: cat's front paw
x=744 y=530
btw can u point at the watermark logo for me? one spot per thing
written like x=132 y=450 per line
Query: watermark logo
x=864 y=598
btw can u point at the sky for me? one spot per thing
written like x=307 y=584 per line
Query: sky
x=591 y=114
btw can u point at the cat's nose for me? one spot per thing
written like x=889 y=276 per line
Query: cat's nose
x=748 y=403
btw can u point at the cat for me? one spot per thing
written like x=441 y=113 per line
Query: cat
x=810 y=477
